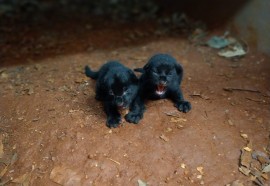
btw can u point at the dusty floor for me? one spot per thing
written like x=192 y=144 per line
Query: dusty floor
x=53 y=130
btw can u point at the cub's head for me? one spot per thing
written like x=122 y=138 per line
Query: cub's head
x=123 y=88
x=161 y=71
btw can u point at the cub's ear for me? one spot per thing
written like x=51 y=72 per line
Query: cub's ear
x=146 y=67
x=179 y=70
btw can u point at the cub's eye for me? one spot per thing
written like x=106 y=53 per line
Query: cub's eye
x=111 y=92
x=154 y=72
x=125 y=90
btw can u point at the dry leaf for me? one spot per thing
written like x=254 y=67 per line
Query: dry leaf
x=259 y=181
x=3 y=172
x=266 y=169
x=141 y=183
x=1 y=148
x=23 y=179
x=65 y=176
x=245 y=158
x=265 y=176
x=164 y=138
x=244 y=170
x=264 y=160
x=255 y=172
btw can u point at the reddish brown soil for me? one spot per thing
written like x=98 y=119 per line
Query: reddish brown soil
x=50 y=119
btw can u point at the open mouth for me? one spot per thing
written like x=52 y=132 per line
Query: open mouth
x=122 y=106
x=160 y=89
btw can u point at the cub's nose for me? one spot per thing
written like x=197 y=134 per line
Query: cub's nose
x=163 y=79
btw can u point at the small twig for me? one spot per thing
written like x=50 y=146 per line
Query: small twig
x=114 y=161
x=196 y=94
x=171 y=114
x=256 y=100
x=230 y=89
x=265 y=95
x=206 y=114
x=199 y=95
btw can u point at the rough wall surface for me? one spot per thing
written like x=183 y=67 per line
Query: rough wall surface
x=253 y=24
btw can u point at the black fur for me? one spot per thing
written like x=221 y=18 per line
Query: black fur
x=116 y=87
x=161 y=78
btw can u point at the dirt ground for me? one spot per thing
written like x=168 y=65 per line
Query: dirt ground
x=53 y=130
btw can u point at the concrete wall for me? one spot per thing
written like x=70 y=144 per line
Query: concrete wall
x=252 y=23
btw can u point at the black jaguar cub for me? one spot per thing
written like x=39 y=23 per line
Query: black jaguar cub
x=116 y=87
x=161 y=78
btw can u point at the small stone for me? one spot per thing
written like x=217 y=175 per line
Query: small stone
x=230 y=122
x=200 y=169
x=179 y=126
x=245 y=136
x=247 y=149
x=168 y=129
x=183 y=165
x=164 y=138
x=35 y=119
x=20 y=118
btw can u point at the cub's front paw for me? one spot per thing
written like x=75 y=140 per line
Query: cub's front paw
x=133 y=117
x=183 y=106
x=113 y=122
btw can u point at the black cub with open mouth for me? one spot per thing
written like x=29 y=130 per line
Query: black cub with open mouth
x=161 y=78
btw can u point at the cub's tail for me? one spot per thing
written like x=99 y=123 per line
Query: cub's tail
x=90 y=73
x=141 y=70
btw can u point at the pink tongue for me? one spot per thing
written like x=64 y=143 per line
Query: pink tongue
x=160 y=88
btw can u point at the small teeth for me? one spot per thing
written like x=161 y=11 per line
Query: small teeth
x=160 y=92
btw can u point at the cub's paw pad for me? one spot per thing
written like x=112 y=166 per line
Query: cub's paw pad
x=183 y=106
x=133 y=117
x=113 y=122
